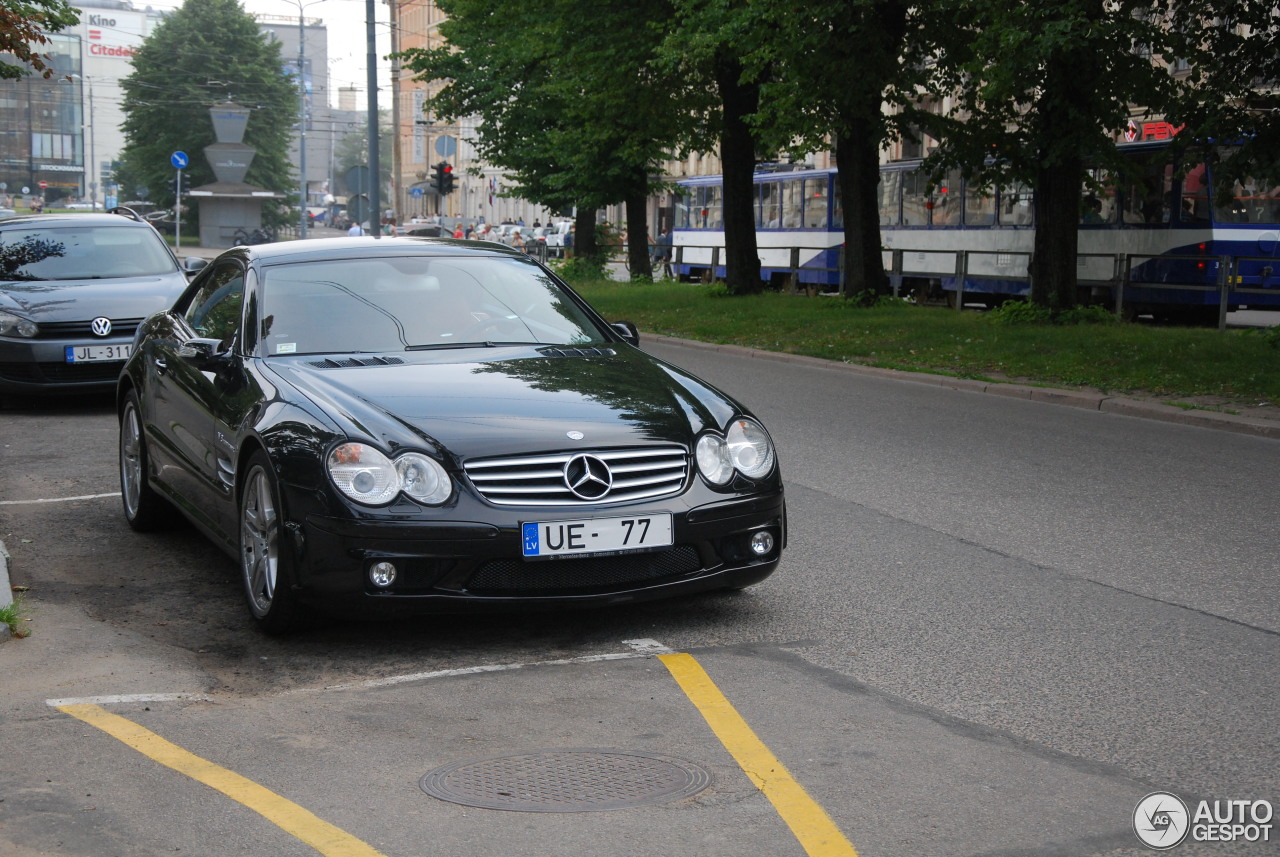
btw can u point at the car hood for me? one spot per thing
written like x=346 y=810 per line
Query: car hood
x=517 y=400
x=80 y=300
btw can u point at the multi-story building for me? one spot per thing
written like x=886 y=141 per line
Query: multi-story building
x=51 y=128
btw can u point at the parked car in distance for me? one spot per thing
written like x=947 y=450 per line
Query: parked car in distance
x=377 y=426
x=73 y=289
x=555 y=237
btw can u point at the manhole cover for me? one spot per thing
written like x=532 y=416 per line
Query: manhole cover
x=566 y=781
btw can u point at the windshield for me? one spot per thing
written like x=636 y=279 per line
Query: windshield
x=82 y=253
x=408 y=303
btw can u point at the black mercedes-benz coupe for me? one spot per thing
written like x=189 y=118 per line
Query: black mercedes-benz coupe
x=435 y=425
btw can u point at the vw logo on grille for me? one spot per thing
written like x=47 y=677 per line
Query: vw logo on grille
x=588 y=477
x=100 y=326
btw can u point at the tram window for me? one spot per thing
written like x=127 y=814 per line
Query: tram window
x=889 y=192
x=815 y=203
x=1098 y=207
x=1150 y=194
x=837 y=205
x=979 y=206
x=684 y=211
x=947 y=198
x=711 y=214
x=915 y=196
x=792 y=204
x=1195 y=196
x=1015 y=205
x=770 y=206
x=1251 y=202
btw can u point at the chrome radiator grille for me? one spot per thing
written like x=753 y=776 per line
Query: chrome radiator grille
x=545 y=480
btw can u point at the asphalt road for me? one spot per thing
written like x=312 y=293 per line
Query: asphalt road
x=999 y=625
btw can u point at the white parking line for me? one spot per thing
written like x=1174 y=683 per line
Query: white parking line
x=129 y=697
x=56 y=499
x=640 y=649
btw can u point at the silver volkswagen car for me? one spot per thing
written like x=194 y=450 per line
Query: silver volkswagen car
x=73 y=290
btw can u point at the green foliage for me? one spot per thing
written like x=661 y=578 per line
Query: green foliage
x=206 y=53
x=1025 y=312
x=568 y=101
x=12 y=616
x=580 y=269
x=1173 y=361
x=24 y=26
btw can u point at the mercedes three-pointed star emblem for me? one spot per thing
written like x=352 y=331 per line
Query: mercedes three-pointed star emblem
x=588 y=477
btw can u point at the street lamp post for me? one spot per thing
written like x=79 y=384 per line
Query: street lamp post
x=87 y=134
x=302 y=117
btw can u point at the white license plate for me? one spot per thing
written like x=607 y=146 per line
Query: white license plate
x=91 y=353
x=595 y=535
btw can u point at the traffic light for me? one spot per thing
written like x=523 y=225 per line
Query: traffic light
x=437 y=177
x=446 y=179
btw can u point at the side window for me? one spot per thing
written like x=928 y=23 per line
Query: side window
x=946 y=200
x=915 y=198
x=979 y=205
x=214 y=311
x=889 y=192
x=815 y=203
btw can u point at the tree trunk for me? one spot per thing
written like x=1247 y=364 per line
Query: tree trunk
x=1053 y=260
x=639 y=259
x=738 y=153
x=584 y=234
x=858 y=172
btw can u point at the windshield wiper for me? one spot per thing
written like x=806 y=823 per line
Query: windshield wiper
x=436 y=346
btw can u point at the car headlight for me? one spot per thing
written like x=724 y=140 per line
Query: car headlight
x=423 y=478
x=746 y=447
x=16 y=325
x=367 y=476
x=750 y=449
x=713 y=459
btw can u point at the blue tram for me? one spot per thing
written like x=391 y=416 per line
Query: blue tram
x=1153 y=238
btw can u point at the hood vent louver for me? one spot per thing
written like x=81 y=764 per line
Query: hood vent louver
x=347 y=362
x=577 y=352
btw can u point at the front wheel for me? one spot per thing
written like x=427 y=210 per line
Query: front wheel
x=265 y=562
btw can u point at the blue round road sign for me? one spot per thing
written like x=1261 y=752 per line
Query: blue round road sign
x=179 y=160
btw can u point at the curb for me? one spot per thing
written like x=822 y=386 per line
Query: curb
x=1085 y=400
x=6 y=594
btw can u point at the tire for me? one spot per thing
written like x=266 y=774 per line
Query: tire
x=266 y=563
x=144 y=509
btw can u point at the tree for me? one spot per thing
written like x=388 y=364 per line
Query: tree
x=813 y=95
x=705 y=46
x=1044 y=87
x=568 y=100
x=205 y=52
x=24 y=26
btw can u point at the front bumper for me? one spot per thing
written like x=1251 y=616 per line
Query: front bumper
x=35 y=367
x=460 y=566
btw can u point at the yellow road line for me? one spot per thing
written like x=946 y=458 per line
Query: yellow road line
x=807 y=820
x=293 y=819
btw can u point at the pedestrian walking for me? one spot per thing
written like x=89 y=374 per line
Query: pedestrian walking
x=355 y=231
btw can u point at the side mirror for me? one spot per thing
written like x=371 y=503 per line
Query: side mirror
x=627 y=331
x=207 y=355
x=192 y=265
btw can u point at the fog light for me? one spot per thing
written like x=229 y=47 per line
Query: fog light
x=382 y=574
x=762 y=543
